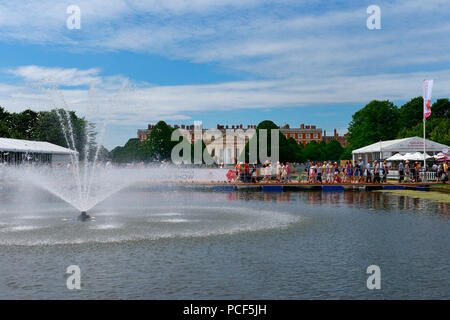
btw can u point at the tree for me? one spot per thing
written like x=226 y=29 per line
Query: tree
x=411 y=113
x=3 y=113
x=440 y=109
x=377 y=121
x=129 y=152
x=333 y=150
x=159 y=145
x=312 y=151
x=347 y=153
x=285 y=149
x=437 y=129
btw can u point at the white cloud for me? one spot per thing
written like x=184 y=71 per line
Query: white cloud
x=57 y=76
x=267 y=38
x=150 y=102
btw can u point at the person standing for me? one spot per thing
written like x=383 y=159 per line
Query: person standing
x=385 y=171
x=361 y=170
x=376 y=172
x=412 y=172
x=407 y=171
x=319 y=172
x=288 y=171
x=369 y=171
x=401 y=172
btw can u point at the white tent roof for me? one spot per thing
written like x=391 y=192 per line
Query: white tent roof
x=412 y=144
x=16 y=145
x=416 y=156
x=395 y=157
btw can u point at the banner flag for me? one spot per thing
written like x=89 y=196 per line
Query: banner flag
x=427 y=87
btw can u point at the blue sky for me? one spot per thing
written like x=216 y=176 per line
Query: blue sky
x=228 y=61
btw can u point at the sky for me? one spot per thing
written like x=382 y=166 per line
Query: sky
x=219 y=61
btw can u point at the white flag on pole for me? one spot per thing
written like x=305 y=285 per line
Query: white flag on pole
x=427 y=87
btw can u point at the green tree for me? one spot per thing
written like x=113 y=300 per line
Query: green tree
x=3 y=113
x=129 y=152
x=440 y=109
x=49 y=127
x=347 y=153
x=333 y=150
x=377 y=121
x=285 y=149
x=411 y=113
x=159 y=146
x=312 y=151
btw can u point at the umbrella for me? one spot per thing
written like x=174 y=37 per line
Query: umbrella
x=442 y=157
x=396 y=157
x=417 y=156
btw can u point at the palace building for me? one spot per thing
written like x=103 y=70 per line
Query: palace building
x=233 y=138
x=341 y=139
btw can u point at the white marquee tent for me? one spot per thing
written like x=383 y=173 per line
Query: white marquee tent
x=385 y=149
x=16 y=151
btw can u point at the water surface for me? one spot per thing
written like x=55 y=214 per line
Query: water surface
x=186 y=244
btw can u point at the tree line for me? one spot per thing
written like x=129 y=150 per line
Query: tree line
x=46 y=126
x=382 y=120
x=378 y=120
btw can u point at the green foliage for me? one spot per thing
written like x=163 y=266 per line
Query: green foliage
x=411 y=112
x=313 y=151
x=131 y=151
x=440 y=109
x=333 y=150
x=287 y=150
x=158 y=146
x=46 y=126
x=347 y=153
x=377 y=121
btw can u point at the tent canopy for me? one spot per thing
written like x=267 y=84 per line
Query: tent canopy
x=416 y=156
x=395 y=157
x=405 y=145
x=16 y=145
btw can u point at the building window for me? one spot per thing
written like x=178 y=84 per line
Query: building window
x=308 y=136
x=316 y=136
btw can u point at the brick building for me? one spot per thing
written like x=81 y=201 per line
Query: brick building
x=227 y=149
x=341 y=139
x=304 y=134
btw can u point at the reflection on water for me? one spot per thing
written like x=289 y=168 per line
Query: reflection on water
x=352 y=199
x=187 y=244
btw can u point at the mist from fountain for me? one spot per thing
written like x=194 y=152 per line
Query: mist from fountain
x=83 y=184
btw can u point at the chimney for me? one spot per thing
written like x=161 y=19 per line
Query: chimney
x=335 y=133
x=324 y=133
x=302 y=126
x=218 y=126
x=313 y=127
x=227 y=126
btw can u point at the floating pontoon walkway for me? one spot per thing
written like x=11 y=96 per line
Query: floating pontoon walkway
x=279 y=187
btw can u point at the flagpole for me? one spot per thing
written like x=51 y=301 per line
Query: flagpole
x=424 y=147
x=424 y=151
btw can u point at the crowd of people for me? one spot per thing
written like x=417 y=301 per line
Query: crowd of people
x=246 y=173
x=326 y=172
